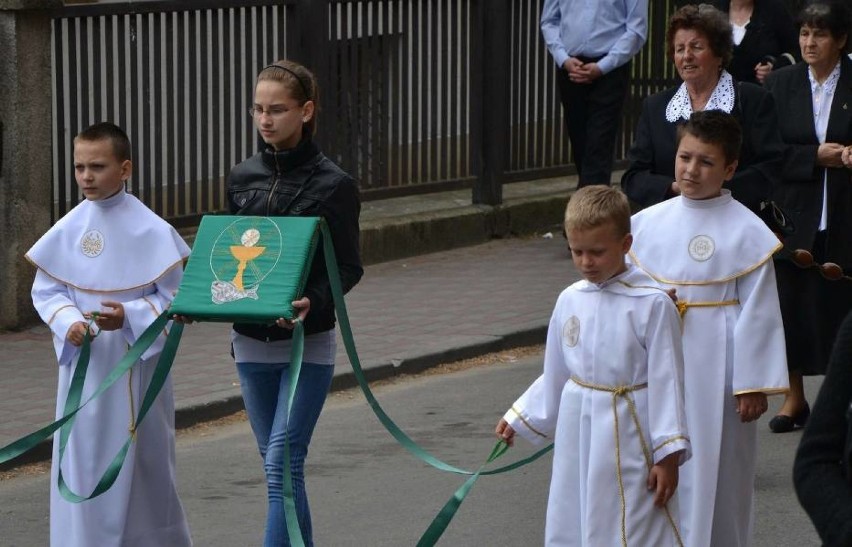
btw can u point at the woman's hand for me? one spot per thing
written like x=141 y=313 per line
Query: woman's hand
x=762 y=70
x=846 y=157
x=183 y=319
x=302 y=307
x=830 y=154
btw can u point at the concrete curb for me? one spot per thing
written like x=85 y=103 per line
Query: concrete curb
x=419 y=363
x=191 y=415
x=388 y=239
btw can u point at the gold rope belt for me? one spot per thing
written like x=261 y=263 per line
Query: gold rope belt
x=624 y=393
x=683 y=306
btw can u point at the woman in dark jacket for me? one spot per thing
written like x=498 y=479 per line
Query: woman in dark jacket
x=292 y=177
x=699 y=42
x=764 y=38
x=814 y=101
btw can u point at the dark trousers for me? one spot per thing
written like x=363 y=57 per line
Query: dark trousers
x=593 y=116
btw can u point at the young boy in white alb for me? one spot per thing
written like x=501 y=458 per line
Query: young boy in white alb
x=611 y=395
x=717 y=255
x=114 y=256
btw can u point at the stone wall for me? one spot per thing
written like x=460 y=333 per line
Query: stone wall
x=25 y=150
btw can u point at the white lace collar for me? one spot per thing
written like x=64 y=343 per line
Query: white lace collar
x=722 y=98
x=830 y=83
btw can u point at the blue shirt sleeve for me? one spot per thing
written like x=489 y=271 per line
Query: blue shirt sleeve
x=635 y=34
x=614 y=30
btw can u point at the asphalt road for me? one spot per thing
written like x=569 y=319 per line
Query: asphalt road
x=367 y=491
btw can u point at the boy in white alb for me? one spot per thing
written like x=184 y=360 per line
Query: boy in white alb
x=611 y=395
x=717 y=255
x=111 y=255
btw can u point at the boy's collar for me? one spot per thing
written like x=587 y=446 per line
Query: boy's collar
x=616 y=277
x=721 y=199
x=112 y=201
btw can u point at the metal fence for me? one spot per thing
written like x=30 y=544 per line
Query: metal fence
x=537 y=137
x=178 y=82
x=399 y=96
x=399 y=89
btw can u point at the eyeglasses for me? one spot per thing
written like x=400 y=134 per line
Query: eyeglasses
x=272 y=111
x=829 y=270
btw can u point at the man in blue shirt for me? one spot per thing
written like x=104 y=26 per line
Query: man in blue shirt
x=592 y=42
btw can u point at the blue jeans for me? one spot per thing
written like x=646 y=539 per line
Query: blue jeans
x=264 y=388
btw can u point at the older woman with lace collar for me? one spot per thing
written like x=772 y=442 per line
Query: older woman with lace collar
x=700 y=44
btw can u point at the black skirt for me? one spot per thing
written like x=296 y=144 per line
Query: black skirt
x=812 y=309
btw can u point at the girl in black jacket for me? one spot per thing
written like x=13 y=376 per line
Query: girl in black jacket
x=290 y=176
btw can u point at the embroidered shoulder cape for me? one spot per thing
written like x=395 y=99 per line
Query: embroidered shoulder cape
x=109 y=245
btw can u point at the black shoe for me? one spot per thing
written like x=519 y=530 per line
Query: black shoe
x=784 y=424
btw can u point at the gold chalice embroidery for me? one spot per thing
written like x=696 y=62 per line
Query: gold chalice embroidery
x=245 y=253
x=240 y=242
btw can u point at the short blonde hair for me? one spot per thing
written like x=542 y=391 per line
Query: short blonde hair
x=596 y=205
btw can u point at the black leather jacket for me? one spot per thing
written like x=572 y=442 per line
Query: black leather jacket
x=302 y=182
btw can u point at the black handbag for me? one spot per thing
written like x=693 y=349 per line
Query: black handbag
x=776 y=219
x=769 y=212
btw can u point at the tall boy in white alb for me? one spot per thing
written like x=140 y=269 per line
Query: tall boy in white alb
x=114 y=250
x=717 y=255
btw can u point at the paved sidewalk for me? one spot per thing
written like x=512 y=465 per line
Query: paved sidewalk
x=406 y=314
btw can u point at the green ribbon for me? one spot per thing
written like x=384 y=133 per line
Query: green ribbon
x=433 y=533
x=75 y=391
x=294 y=531
x=393 y=429
x=445 y=515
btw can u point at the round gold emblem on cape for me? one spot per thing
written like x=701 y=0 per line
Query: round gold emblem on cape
x=92 y=243
x=701 y=248
x=571 y=331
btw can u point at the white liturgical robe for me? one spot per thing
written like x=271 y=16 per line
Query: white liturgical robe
x=717 y=255
x=624 y=333
x=113 y=249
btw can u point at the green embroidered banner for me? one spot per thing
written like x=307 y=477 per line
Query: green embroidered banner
x=247 y=269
